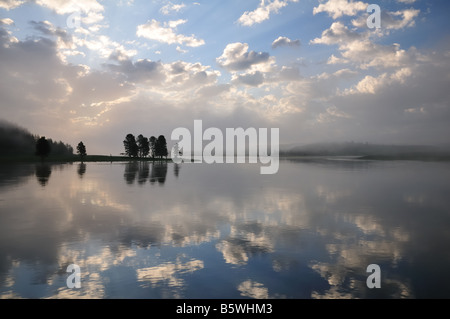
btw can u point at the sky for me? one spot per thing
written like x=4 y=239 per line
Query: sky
x=94 y=71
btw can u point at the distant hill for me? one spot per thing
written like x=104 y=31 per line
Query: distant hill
x=16 y=141
x=366 y=150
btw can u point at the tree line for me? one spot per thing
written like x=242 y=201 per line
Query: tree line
x=44 y=147
x=142 y=146
x=17 y=141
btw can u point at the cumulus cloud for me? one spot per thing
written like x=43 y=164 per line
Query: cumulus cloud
x=46 y=28
x=372 y=84
x=358 y=48
x=284 y=41
x=253 y=290
x=140 y=71
x=338 y=33
x=10 y=4
x=251 y=79
x=75 y=96
x=6 y=21
x=407 y=16
x=391 y=20
x=263 y=12
x=236 y=57
x=92 y=10
x=153 y=30
x=170 y=81
x=55 y=92
x=104 y=46
x=339 y=8
x=71 y=6
x=171 y=7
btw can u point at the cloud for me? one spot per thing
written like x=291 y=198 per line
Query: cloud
x=391 y=20
x=284 y=41
x=103 y=46
x=39 y=89
x=71 y=6
x=380 y=103
x=331 y=114
x=252 y=79
x=338 y=33
x=169 y=80
x=366 y=54
x=210 y=91
x=140 y=71
x=263 y=12
x=253 y=290
x=171 y=7
x=65 y=40
x=318 y=89
x=373 y=85
x=183 y=77
x=406 y=19
x=357 y=48
x=10 y=4
x=339 y=8
x=180 y=50
x=170 y=273
x=335 y=60
x=153 y=30
x=6 y=21
x=91 y=8
x=76 y=96
x=236 y=57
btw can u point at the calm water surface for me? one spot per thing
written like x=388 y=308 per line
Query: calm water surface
x=143 y=230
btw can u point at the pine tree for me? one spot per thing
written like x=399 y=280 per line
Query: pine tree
x=42 y=147
x=131 y=147
x=81 y=150
x=161 y=147
x=143 y=145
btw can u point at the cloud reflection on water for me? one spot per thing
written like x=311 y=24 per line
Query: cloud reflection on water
x=317 y=226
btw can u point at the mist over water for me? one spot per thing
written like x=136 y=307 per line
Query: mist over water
x=164 y=230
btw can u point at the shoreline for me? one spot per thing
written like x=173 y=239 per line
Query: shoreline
x=77 y=159
x=108 y=158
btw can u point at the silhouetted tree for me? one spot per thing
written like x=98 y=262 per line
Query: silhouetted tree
x=17 y=141
x=42 y=147
x=152 y=144
x=161 y=147
x=131 y=147
x=143 y=145
x=59 y=148
x=81 y=150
